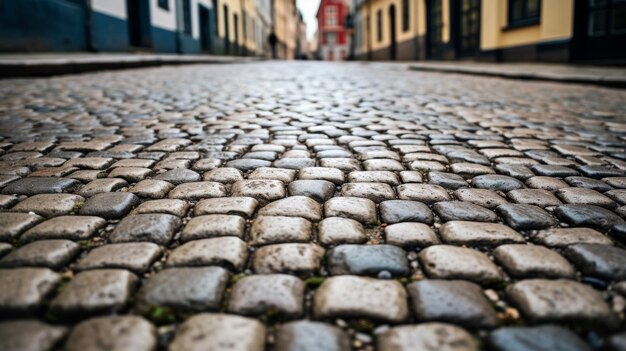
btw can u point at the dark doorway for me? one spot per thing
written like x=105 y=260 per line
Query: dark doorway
x=138 y=12
x=236 y=33
x=205 y=28
x=434 y=29
x=466 y=27
x=599 y=31
x=226 y=31
x=393 y=44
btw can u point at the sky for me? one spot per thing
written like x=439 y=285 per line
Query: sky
x=308 y=8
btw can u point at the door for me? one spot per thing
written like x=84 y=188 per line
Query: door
x=393 y=45
x=205 y=28
x=434 y=29
x=226 y=31
x=466 y=17
x=599 y=30
x=138 y=12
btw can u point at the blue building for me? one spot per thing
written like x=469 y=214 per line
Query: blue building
x=165 y=26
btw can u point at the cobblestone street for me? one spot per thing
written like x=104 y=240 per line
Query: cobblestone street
x=310 y=206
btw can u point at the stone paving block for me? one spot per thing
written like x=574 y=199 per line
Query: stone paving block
x=410 y=234
x=174 y=207
x=94 y=292
x=224 y=175
x=179 y=176
x=113 y=333
x=447 y=180
x=451 y=262
x=311 y=336
x=537 y=197
x=110 y=205
x=229 y=250
x=618 y=195
x=262 y=190
x=520 y=172
x=30 y=335
x=395 y=211
x=54 y=254
x=333 y=175
x=386 y=177
x=105 y=185
x=210 y=226
x=360 y=297
x=242 y=206
x=41 y=185
x=294 y=206
x=336 y=230
x=65 y=227
x=559 y=237
x=150 y=188
x=428 y=337
x=546 y=337
x=50 y=205
x=546 y=183
x=477 y=233
x=560 y=301
x=279 y=294
x=372 y=260
x=376 y=192
x=452 y=301
x=217 y=331
x=584 y=196
x=135 y=257
x=590 y=183
x=342 y=164
x=248 y=164
x=299 y=259
x=197 y=191
x=7 y=201
x=526 y=217
x=596 y=260
x=184 y=289
x=278 y=229
x=382 y=165
x=130 y=174
x=359 y=209
x=532 y=261
x=318 y=190
x=157 y=228
x=25 y=290
x=282 y=174
x=5 y=249
x=587 y=216
x=463 y=211
x=426 y=193
x=14 y=224
x=411 y=177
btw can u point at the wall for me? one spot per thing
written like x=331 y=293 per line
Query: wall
x=556 y=24
x=42 y=25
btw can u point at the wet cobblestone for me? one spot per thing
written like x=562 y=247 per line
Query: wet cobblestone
x=290 y=206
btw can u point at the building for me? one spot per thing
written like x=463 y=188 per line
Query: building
x=302 y=44
x=491 y=30
x=285 y=16
x=230 y=27
x=333 y=39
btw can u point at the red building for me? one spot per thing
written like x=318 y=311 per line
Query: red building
x=331 y=30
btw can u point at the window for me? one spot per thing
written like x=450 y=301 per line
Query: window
x=379 y=25
x=331 y=38
x=524 y=12
x=606 y=17
x=331 y=16
x=187 y=16
x=164 y=4
x=405 y=15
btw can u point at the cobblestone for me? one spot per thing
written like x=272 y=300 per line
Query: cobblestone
x=494 y=206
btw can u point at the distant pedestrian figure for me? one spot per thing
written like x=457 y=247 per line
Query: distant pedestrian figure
x=273 y=40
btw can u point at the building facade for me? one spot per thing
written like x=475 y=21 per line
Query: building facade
x=332 y=35
x=285 y=28
x=224 y=27
x=491 y=30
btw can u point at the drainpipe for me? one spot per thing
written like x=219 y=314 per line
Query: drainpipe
x=88 y=25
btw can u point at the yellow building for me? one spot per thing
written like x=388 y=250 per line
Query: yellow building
x=491 y=30
x=286 y=28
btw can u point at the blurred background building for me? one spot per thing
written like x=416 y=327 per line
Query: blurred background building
x=221 y=27
x=491 y=30
x=332 y=41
